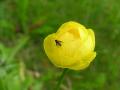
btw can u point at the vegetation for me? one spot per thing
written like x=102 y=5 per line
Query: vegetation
x=25 y=23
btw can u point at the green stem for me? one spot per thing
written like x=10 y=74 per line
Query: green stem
x=22 y=8
x=61 y=79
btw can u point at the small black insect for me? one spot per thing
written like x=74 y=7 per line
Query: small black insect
x=58 y=43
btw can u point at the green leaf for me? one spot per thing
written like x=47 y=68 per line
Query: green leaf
x=22 y=8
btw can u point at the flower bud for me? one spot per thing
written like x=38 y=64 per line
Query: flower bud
x=72 y=46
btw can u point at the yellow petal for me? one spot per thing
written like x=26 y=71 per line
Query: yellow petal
x=84 y=63
x=76 y=29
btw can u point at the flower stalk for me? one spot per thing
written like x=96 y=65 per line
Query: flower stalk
x=61 y=79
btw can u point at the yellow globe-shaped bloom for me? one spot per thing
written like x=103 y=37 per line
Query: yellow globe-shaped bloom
x=72 y=46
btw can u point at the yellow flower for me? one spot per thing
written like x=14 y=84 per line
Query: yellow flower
x=72 y=46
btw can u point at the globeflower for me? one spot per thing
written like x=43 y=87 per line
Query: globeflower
x=72 y=46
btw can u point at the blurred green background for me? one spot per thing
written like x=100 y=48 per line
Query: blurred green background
x=25 y=23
